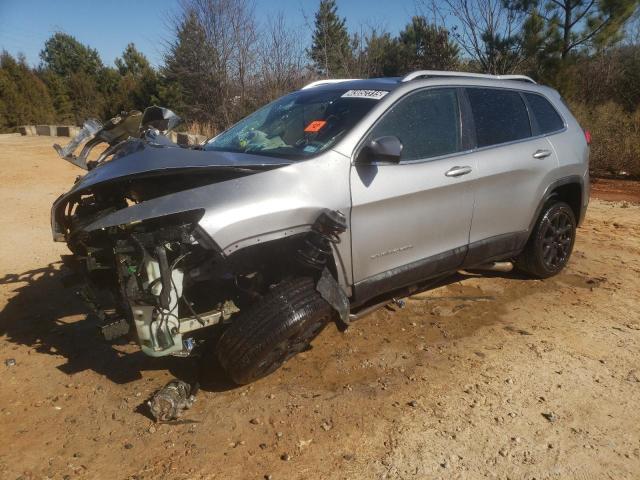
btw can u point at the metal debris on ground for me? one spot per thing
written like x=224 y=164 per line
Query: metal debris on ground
x=10 y=362
x=169 y=402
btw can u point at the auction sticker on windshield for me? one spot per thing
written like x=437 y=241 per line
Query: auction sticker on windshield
x=315 y=126
x=372 y=94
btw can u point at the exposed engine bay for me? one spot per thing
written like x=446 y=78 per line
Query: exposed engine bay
x=163 y=276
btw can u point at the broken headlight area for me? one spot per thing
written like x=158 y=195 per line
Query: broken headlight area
x=71 y=214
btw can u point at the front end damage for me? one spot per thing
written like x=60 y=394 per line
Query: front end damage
x=157 y=277
x=142 y=260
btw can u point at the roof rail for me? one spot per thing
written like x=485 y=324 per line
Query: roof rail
x=439 y=73
x=327 y=81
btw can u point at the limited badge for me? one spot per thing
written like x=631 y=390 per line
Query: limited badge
x=372 y=94
x=315 y=126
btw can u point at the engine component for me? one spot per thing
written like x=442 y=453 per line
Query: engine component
x=169 y=402
x=158 y=326
x=325 y=231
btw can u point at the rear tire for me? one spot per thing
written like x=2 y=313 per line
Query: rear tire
x=274 y=329
x=551 y=243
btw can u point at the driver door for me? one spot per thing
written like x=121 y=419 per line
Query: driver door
x=411 y=220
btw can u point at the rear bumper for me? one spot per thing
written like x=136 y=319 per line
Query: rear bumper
x=586 y=193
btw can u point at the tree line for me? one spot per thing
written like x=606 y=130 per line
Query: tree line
x=222 y=63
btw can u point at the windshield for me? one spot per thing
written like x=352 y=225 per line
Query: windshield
x=298 y=125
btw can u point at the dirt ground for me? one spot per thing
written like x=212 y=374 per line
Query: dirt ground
x=492 y=376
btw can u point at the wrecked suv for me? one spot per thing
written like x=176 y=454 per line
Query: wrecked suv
x=317 y=208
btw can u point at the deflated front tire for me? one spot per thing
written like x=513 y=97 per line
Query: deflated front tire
x=274 y=329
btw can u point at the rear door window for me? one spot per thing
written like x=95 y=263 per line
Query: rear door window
x=546 y=116
x=426 y=122
x=500 y=116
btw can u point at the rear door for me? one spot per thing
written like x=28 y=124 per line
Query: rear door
x=514 y=163
x=411 y=220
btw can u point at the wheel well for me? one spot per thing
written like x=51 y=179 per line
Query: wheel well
x=571 y=193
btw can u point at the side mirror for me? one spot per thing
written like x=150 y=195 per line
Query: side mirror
x=386 y=149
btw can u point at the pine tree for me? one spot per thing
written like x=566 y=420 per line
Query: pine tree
x=331 y=49
x=424 y=46
x=560 y=27
x=132 y=62
x=191 y=81
x=138 y=81
x=24 y=98
x=383 y=55
x=65 y=55
x=59 y=96
x=82 y=75
x=87 y=99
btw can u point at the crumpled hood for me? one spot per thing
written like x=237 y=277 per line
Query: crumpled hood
x=143 y=159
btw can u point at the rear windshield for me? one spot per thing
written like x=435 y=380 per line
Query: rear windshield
x=298 y=125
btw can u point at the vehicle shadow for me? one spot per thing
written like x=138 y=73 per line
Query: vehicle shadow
x=44 y=315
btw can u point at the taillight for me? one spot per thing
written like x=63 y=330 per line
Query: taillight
x=587 y=136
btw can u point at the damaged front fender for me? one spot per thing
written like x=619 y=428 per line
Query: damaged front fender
x=178 y=239
x=255 y=209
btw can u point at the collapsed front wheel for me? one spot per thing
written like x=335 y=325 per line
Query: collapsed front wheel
x=274 y=329
x=551 y=242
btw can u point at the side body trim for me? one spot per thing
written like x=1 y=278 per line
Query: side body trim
x=408 y=274
x=495 y=248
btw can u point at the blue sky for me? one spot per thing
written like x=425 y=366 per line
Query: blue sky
x=109 y=25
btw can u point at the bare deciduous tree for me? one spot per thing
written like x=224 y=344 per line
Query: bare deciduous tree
x=231 y=32
x=486 y=30
x=281 y=59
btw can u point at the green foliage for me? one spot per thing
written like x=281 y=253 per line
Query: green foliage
x=65 y=55
x=59 y=94
x=383 y=55
x=190 y=79
x=137 y=82
x=330 y=49
x=425 y=46
x=24 y=98
x=500 y=53
x=132 y=62
x=81 y=83
x=419 y=46
x=86 y=98
x=560 y=27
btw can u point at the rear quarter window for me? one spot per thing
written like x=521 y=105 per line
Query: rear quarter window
x=500 y=116
x=545 y=114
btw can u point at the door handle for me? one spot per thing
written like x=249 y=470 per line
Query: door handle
x=457 y=171
x=540 y=154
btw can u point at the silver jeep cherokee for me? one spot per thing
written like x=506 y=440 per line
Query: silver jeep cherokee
x=318 y=207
